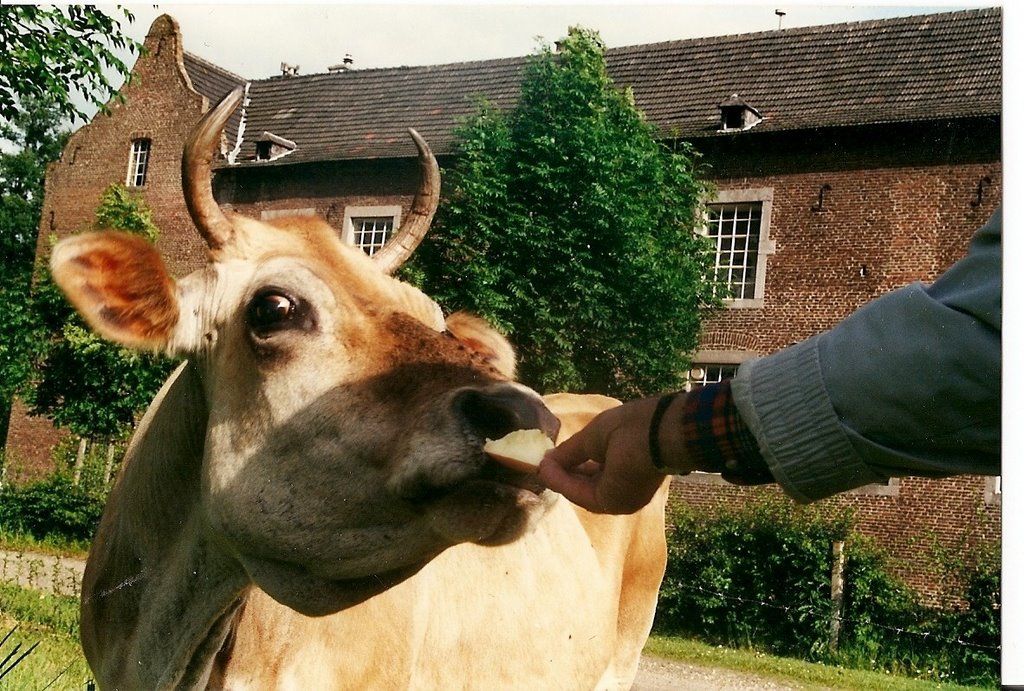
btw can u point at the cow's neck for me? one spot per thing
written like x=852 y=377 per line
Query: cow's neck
x=153 y=563
x=190 y=605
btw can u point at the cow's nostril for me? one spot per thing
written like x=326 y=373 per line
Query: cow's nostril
x=495 y=411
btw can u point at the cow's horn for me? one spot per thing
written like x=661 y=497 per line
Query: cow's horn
x=197 y=178
x=415 y=225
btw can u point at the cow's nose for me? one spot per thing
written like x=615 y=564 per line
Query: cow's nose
x=494 y=411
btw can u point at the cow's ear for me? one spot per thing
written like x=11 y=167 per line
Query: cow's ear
x=482 y=338
x=119 y=284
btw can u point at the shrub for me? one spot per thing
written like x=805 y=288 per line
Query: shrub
x=568 y=225
x=759 y=576
x=52 y=508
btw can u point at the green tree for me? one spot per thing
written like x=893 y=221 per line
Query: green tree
x=568 y=225
x=81 y=382
x=33 y=141
x=60 y=51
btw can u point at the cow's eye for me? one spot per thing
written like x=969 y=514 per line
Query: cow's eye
x=271 y=311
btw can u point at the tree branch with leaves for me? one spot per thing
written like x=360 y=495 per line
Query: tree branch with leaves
x=60 y=51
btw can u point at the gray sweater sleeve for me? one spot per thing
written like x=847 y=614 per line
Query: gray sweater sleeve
x=909 y=384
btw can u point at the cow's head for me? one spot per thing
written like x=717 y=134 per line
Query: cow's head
x=345 y=416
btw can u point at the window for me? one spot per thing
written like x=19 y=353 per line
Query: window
x=736 y=229
x=371 y=233
x=370 y=227
x=711 y=366
x=737 y=114
x=269 y=146
x=701 y=374
x=738 y=223
x=138 y=163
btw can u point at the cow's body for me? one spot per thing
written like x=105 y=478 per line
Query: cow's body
x=307 y=504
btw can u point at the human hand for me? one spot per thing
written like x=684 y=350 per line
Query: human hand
x=606 y=467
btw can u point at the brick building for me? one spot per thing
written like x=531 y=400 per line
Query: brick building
x=848 y=160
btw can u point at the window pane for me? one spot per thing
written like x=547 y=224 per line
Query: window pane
x=371 y=233
x=138 y=163
x=736 y=230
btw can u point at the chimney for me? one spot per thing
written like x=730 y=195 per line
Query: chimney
x=289 y=70
x=345 y=66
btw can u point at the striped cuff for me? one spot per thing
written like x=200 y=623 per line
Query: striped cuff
x=717 y=440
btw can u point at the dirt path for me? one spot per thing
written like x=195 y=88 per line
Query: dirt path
x=58 y=575
x=657 y=674
x=63 y=576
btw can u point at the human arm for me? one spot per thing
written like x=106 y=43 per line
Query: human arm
x=908 y=384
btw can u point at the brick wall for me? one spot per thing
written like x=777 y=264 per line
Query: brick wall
x=30 y=446
x=899 y=210
x=327 y=188
x=160 y=105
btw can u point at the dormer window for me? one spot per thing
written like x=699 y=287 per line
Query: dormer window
x=737 y=114
x=269 y=146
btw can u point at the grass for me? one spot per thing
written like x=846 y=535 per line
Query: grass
x=51 y=624
x=58 y=664
x=23 y=542
x=804 y=675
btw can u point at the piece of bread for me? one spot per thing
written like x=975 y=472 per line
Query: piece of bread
x=521 y=450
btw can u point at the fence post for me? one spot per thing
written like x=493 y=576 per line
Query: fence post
x=108 y=468
x=836 y=619
x=80 y=460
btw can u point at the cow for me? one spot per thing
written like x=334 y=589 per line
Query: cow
x=306 y=503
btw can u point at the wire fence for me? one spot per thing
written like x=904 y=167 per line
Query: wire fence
x=804 y=607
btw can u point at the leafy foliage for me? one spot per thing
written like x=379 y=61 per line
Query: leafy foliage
x=121 y=209
x=54 y=507
x=760 y=576
x=35 y=141
x=568 y=225
x=58 y=51
x=92 y=387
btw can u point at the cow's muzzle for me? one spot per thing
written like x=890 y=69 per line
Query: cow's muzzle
x=496 y=410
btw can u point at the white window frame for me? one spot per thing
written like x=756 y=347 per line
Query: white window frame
x=138 y=162
x=271 y=214
x=352 y=213
x=765 y=246
x=994 y=490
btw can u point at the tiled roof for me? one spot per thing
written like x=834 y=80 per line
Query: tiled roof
x=894 y=70
x=365 y=113
x=213 y=82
